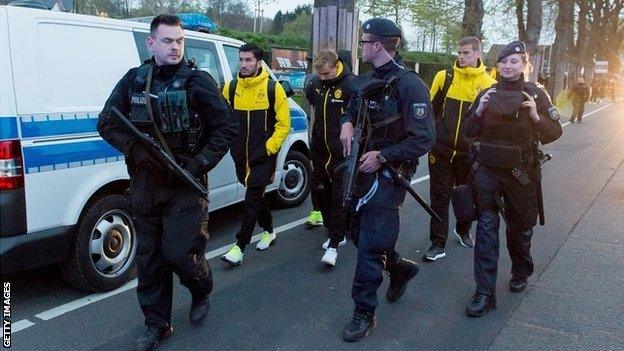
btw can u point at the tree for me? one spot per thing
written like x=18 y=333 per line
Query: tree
x=472 y=21
x=300 y=26
x=564 y=41
x=278 y=23
x=530 y=31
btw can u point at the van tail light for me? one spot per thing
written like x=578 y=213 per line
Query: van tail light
x=11 y=169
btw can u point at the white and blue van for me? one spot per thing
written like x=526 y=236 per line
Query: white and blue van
x=63 y=190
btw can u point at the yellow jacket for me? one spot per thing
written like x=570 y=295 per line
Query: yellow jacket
x=261 y=132
x=251 y=95
x=467 y=83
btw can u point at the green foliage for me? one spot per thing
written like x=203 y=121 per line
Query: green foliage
x=300 y=27
x=265 y=41
x=428 y=57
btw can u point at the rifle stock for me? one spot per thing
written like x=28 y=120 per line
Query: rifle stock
x=162 y=156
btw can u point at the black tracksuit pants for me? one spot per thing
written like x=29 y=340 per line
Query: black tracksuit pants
x=169 y=239
x=327 y=189
x=444 y=175
x=256 y=209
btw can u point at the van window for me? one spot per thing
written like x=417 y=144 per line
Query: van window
x=231 y=53
x=206 y=59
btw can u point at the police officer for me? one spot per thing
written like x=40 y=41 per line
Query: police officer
x=452 y=92
x=402 y=129
x=197 y=129
x=329 y=93
x=508 y=120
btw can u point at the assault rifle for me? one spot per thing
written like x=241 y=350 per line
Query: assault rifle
x=163 y=157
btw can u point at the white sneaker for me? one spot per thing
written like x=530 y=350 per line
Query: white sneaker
x=342 y=243
x=267 y=239
x=234 y=256
x=330 y=256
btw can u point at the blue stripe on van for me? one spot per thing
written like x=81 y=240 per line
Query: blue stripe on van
x=47 y=158
x=298 y=120
x=67 y=124
x=8 y=128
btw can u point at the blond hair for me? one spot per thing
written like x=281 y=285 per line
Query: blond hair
x=325 y=57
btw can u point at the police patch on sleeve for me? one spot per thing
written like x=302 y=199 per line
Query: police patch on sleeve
x=554 y=113
x=420 y=110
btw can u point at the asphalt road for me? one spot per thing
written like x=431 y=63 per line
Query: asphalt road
x=285 y=299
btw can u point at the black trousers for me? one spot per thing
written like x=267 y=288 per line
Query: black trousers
x=376 y=231
x=327 y=189
x=170 y=239
x=578 y=109
x=256 y=209
x=444 y=175
x=490 y=184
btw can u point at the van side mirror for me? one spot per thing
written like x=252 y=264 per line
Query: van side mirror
x=287 y=88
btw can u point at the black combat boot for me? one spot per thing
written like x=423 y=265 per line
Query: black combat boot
x=151 y=337
x=199 y=308
x=517 y=283
x=480 y=304
x=360 y=326
x=404 y=271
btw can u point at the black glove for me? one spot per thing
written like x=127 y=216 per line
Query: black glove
x=193 y=166
x=143 y=158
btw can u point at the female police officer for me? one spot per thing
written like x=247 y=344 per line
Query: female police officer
x=507 y=120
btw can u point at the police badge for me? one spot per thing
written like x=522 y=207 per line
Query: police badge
x=554 y=113
x=420 y=110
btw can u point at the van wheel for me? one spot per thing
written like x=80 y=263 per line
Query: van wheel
x=295 y=184
x=102 y=255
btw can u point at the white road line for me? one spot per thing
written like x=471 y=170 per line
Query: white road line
x=87 y=300
x=21 y=325
x=590 y=113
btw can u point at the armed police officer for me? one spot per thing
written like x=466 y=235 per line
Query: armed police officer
x=508 y=121
x=329 y=93
x=401 y=129
x=190 y=120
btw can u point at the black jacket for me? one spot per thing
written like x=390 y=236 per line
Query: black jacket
x=330 y=99
x=203 y=96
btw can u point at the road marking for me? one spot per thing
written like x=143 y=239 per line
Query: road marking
x=21 y=325
x=590 y=113
x=87 y=300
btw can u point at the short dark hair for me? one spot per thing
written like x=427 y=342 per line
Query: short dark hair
x=257 y=52
x=388 y=43
x=166 y=19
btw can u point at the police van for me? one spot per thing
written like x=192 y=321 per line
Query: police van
x=63 y=190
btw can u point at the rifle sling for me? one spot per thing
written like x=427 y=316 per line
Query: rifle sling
x=150 y=113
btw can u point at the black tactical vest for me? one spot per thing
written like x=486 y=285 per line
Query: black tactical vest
x=180 y=126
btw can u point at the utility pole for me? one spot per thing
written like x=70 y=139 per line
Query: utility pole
x=335 y=26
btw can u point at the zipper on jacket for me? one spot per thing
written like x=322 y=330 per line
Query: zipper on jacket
x=459 y=118
x=325 y=133
x=247 y=170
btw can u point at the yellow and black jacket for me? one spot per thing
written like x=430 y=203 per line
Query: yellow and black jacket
x=330 y=99
x=467 y=83
x=261 y=130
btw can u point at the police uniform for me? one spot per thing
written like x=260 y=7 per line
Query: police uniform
x=504 y=178
x=198 y=128
x=402 y=129
x=330 y=99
